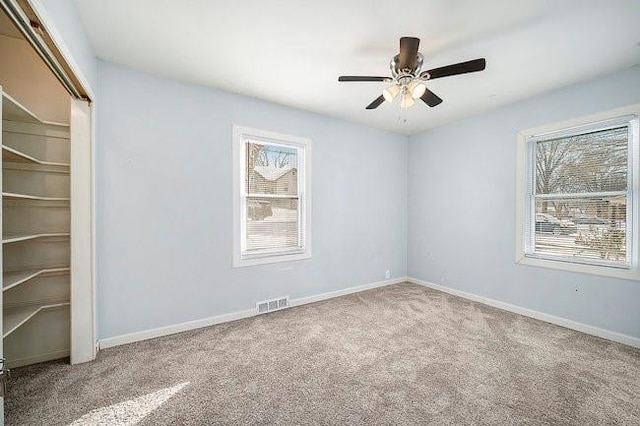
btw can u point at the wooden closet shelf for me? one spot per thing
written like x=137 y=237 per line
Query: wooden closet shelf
x=15 y=196
x=35 y=198
x=15 y=278
x=14 y=238
x=12 y=155
x=12 y=110
x=13 y=318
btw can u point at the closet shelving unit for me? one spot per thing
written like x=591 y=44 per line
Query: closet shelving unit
x=35 y=236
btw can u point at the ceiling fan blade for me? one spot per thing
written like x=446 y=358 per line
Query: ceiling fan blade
x=408 y=52
x=455 y=69
x=376 y=103
x=361 y=78
x=431 y=98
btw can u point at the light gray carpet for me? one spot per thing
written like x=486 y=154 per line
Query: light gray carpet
x=400 y=355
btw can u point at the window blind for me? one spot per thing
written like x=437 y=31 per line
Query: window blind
x=272 y=199
x=580 y=195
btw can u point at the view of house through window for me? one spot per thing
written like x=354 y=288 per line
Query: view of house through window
x=272 y=198
x=579 y=197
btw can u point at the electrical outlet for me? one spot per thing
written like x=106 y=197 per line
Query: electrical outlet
x=387 y=274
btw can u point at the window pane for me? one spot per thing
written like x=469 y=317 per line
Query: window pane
x=592 y=162
x=271 y=223
x=272 y=169
x=587 y=229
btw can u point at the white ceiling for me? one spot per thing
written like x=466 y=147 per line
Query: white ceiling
x=291 y=52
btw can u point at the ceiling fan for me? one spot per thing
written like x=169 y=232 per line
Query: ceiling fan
x=409 y=81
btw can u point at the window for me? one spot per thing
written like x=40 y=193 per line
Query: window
x=578 y=195
x=272 y=197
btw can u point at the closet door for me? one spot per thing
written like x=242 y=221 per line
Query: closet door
x=1 y=286
x=83 y=346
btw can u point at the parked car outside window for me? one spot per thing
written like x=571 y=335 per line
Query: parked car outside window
x=548 y=223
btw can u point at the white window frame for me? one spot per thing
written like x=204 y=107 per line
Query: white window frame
x=242 y=135
x=525 y=197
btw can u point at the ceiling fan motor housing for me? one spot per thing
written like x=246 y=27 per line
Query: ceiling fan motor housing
x=395 y=72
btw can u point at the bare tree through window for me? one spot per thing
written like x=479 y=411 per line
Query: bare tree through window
x=580 y=195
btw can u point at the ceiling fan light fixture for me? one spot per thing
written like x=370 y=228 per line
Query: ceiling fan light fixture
x=407 y=100
x=391 y=92
x=417 y=89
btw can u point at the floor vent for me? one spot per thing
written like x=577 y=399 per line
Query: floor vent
x=272 y=305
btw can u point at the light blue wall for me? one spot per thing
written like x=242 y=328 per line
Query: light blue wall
x=64 y=19
x=461 y=209
x=165 y=203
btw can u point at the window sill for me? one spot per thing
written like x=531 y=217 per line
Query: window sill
x=239 y=262
x=625 y=274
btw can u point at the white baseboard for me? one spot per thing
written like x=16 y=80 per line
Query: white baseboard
x=172 y=329
x=563 y=322
x=343 y=292
x=219 y=319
